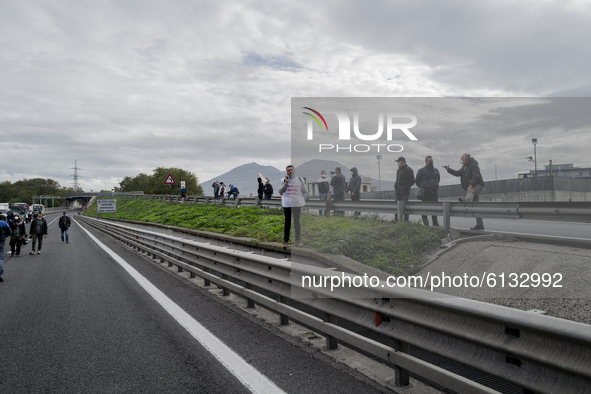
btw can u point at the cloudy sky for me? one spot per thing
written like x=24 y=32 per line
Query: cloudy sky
x=126 y=86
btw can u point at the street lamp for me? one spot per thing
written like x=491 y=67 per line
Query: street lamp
x=535 y=142
x=379 y=157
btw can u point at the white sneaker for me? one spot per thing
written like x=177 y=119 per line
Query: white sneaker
x=38 y=252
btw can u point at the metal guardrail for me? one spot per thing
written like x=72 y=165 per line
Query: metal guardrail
x=557 y=211
x=541 y=354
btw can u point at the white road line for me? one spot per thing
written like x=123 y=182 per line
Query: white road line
x=244 y=372
x=535 y=235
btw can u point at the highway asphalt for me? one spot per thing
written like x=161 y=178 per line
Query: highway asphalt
x=73 y=320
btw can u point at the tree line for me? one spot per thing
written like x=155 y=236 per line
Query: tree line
x=24 y=190
x=154 y=184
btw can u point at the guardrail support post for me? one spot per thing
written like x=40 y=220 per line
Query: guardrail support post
x=206 y=282
x=284 y=318
x=446 y=215
x=331 y=342
x=225 y=291
x=402 y=376
x=400 y=210
x=328 y=207
x=249 y=302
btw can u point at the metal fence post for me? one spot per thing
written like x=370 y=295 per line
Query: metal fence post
x=331 y=342
x=446 y=215
x=249 y=301
x=402 y=376
x=284 y=318
x=225 y=291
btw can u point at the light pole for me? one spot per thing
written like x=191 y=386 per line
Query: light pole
x=495 y=171
x=535 y=142
x=379 y=157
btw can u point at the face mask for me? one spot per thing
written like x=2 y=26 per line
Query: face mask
x=461 y=162
x=323 y=175
x=398 y=164
x=351 y=172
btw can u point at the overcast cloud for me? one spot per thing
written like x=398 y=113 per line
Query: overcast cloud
x=126 y=86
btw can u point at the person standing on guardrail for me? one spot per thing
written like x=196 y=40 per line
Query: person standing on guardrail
x=4 y=233
x=354 y=186
x=64 y=225
x=323 y=188
x=19 y=232
x=293 y=198
x=405 y=178
x=428 y=179
x=472 y=182
x=38 y=231
x=268 y=190
x=338 y=183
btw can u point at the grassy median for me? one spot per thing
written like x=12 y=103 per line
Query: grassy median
x=395 y=248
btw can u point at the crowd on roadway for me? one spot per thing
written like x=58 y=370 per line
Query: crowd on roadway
x=12 y=228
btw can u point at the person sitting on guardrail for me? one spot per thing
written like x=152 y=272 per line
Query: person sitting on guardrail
x=233 y=192
x=428 y=179
x=293 y=198
x=405 y=178
x=38 y=231
x=19 y=232
x=472 y=182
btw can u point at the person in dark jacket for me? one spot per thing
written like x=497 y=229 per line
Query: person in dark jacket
x=260 y=188
x=338 y=187
x=268 y=190
x=19 y=233
x=216 y=189
x=64 y=225
x=354 y=186
x=323 y=189
x=405 y=178
x=428 y=179
x=38 y=231
x=471 y=180
x=4 y=233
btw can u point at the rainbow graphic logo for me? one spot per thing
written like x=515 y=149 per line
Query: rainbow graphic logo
x=316 y=119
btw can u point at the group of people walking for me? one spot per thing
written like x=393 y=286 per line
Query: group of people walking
x=14 y=229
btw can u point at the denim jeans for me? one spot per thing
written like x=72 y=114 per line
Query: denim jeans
x=2 y=244
x=67 y=231
x=322 y=197
x=339 y=197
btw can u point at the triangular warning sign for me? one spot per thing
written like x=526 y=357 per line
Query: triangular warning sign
x=169 y=180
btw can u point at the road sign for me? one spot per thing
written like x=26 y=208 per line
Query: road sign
x=84 y=209
x=182 y=184
x=26 y=206
x=106 y=206
x=169 y=180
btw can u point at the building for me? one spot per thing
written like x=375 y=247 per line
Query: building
x=565 y=170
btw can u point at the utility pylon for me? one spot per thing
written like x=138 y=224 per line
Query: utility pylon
x=75 y=176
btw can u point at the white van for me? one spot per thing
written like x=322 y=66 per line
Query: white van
x=4 y=208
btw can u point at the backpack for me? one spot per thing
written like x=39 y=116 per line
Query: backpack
x=268 y=189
